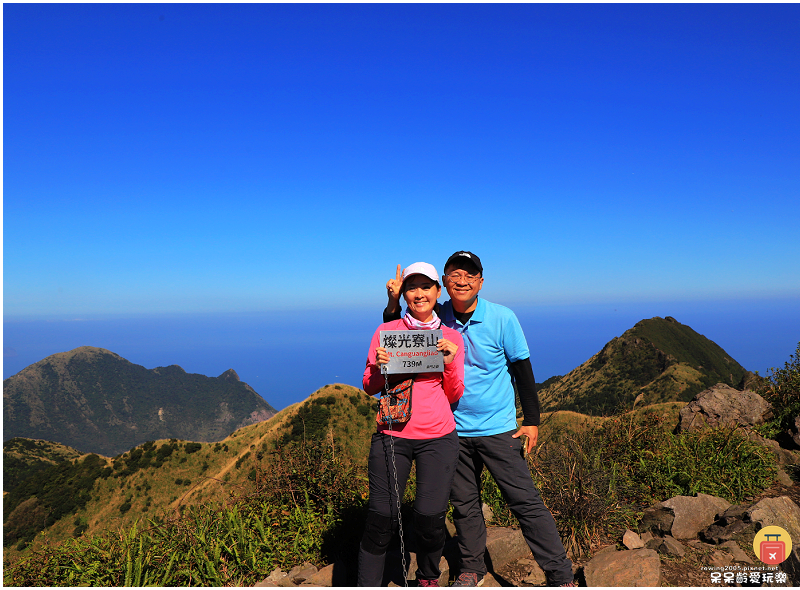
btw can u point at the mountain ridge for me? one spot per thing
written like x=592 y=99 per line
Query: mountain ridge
x=659 y=359
x=94 y=400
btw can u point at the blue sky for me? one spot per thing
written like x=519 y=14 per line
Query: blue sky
x=184 y=159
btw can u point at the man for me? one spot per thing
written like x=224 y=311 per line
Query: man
x=495 y=349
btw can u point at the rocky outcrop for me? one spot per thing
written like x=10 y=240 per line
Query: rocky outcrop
x=784 y=513
x=722 y=405
x=703 y=529
x=632 y=541
x=302 y=575
x=667 y=545
x=682 y=517
x=726 y=526
x=794 y=432
x=636 y=567
x=723 y=545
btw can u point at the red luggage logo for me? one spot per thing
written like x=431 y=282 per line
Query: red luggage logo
x=772 y=545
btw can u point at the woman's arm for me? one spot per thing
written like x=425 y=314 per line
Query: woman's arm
x=373 y=380
x=453 y=377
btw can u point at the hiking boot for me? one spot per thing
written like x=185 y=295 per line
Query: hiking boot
x=468 y=579
x=572 y=584
x=427 y=583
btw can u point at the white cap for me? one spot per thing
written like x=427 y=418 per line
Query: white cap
x=421 y=268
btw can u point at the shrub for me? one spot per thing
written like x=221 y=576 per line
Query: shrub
x=192 y=447
x=305 y=505
x=242 y=459
x=58 y=490
x=310 y=422
x=597 y=481
x=781 y=388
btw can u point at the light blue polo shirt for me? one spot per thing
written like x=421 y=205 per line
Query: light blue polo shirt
x=493 y=338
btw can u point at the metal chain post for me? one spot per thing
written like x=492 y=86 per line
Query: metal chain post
x=396 y=487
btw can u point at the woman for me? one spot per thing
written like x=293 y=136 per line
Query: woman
x=428 y=437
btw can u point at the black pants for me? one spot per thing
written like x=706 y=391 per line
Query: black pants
x=436 y=459
x=502 y=456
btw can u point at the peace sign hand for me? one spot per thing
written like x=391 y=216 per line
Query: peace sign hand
x=393 y=286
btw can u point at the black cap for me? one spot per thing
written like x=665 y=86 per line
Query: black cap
x=464 y=256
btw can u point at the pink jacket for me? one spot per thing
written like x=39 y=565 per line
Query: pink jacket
x=432 y=395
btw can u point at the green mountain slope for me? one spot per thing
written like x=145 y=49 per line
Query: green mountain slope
x=158 y=478
x=660 y=359
x=96 y=401
x=23 y=458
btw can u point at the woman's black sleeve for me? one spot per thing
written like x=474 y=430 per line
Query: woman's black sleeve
x=388 y=316
x=526 y=388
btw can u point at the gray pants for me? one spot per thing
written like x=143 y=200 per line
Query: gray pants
x=435 y=459
x=502 y=456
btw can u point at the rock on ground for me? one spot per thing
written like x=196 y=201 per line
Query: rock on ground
x=722 y=405
x=637 y=567
x=682 y=517
x=632 y=541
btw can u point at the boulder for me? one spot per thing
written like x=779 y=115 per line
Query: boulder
x=300 y=573
x=672 y=546
x=719 y=559
x=277 y=575
x=504 y=545
x=782 y=512
x=739 y=556
x=794 y=432
x=489 y=581
x=667 y=545
x=722 y=405
x=727 y=525
x=537 y=576
x=488 y=515
x=655 y=543
x=693 y=514
x=783 y=456
x=324 y=577
x=272 y=580
x=657 y=520
x=682 y=517
x=637 y=567
x=631 y=540
x=285 y=582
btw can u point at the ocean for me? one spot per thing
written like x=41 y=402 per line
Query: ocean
x=287 y=356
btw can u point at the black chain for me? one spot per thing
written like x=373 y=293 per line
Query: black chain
x=396 y=488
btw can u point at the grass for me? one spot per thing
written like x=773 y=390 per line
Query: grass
x=598 y=478
x=305 y=500
x=302 y=506
x=209 y=468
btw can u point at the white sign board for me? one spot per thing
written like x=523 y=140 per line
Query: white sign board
x=412 y=351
